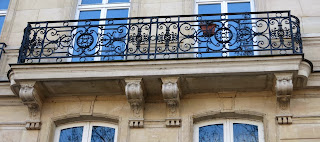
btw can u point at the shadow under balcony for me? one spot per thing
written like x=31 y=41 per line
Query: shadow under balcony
x=95 y=56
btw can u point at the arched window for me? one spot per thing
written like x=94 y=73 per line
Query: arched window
x=229 y=130
x=86 y=132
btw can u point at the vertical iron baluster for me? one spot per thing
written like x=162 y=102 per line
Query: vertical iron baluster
x=24 y=45
x=43 y=40
x=128 y=40
x=149 y=38
x=178 y=41
x=291 y=31
x=156 y=42
x=270 y=36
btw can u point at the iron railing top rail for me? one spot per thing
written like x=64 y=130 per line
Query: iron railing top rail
x=162 y=37
x=155 y=17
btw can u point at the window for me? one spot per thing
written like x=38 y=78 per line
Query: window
x=86 y=132
x=110 y=42
x=229 y=130
x=235 y=36
x=3 y=12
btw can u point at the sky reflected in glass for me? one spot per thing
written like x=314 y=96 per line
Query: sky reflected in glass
x=211 y=133
x=102 y=134
x=73 y=134
x=245 y=133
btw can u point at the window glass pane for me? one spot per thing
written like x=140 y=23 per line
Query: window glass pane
x=115 y=35
x=4 y=4
x=102 y=134
x=207 y=42
x=112 y=1
x=211 y=133
x=86 y=37
x=91 y=1
x=1 y=22
x=245 y=133
x=241 y=29
x=71 y=134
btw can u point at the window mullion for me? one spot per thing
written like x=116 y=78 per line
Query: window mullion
x=231 y=131
x=225 y=131
x=86 y=133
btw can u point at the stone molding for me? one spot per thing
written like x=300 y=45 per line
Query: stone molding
x=136 y=123
x=173 y=122
x=283 y=89
x=284 y=119
x=30 y=97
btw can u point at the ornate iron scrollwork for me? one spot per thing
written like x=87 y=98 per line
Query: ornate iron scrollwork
x=164 y=37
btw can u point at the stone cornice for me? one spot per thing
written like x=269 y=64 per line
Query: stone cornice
x=107 y=70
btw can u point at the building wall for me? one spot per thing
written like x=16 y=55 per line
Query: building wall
x=304 y=102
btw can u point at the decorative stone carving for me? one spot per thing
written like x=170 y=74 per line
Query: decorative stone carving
x=171 y=95
x=173 y=122
x=33 y=125
x=134 y=93
x=283 y=88
x=284 y=119
x=136 y=123
x=31 y=98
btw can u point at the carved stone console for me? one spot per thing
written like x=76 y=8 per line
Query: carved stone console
x=31 y=98
x=283 y=89
x=171 y=95
x=134 y=93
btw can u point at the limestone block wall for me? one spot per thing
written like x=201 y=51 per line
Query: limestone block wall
x=304 y=106
x=304 y=103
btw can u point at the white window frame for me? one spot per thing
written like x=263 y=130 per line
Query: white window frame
x=224 y=9
x=103 y=8
x=228 y=128
x=87 y=130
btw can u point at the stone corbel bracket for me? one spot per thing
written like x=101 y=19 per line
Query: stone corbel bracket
x=134 y=92
x=171 y=95
x=31 y=98
x=283 y=89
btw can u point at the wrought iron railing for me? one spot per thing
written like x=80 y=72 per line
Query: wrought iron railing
x=162 y=37
x=2 y=46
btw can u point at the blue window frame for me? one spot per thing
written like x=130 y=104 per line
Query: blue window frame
x=113 y=34
x=241 y=42
x=4 y=4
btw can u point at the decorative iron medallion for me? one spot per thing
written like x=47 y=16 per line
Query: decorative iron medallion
x=85 y=40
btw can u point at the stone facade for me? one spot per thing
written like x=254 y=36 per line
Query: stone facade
x=155 y=101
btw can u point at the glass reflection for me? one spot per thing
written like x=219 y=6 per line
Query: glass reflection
x=211 y=133
x=91 y=1
x=102 y=134
x=113 y=1
x=4 y=4
x=73 y=134
x=245 y=133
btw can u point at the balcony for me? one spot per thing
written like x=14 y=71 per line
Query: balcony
x=220 y=52
x=162 y=37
